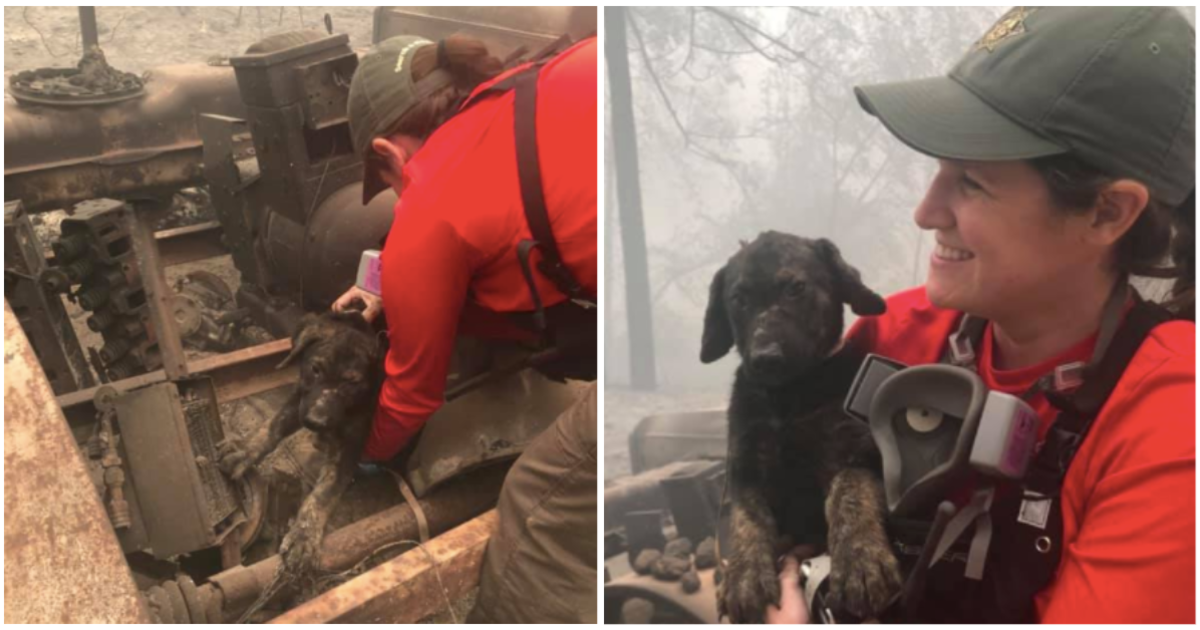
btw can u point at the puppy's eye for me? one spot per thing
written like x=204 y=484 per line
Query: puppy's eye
x=738 y=301
x=315 y=368
x=794 y=289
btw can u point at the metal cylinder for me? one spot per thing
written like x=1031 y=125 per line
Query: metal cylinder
x=87 y=27
x=113 y=277
x=70 y=247
x=58 y=156
x=453 y=504
x=79 y=270
x=101 y=320
x=115 y=349
x=93 y=298
x=123 y=369
x=55 y=280
x=132 y=327
x=322 y=257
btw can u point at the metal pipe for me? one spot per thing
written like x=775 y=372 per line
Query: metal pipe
x=191 y=243
x=87 y=26
x=235 y=374
x=59 y=156
x=458 y=501
x=159 y=296
x=407 y=588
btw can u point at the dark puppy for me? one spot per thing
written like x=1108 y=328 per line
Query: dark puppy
x=340 y=375
x=799 y=469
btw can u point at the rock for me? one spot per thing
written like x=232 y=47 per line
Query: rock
x=637 y=610
x=691 y=582
x=670 y=569
x=645 y=560
x=706 y=553
x=678 y=548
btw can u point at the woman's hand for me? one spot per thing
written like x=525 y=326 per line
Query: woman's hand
x=792 y=608
x=370 y=304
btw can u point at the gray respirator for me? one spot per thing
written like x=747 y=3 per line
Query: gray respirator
x=936 y=425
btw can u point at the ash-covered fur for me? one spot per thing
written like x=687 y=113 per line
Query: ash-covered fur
x=800 y=470
x=341 y=371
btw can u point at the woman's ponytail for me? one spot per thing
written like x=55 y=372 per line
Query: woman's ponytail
x=1183 y=258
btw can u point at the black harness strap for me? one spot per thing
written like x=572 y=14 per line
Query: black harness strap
x=529 y=172
x=569 y=326
x=1078 y=410
x=1027 y=545
x=533 y=199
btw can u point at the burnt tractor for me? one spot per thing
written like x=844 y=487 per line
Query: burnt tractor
x=662 y=523
x=115 y=510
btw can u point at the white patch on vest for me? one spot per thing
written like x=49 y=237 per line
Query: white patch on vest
x=1035 y=511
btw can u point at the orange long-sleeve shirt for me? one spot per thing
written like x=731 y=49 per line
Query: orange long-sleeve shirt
x=457 y=225
x=1128 y=500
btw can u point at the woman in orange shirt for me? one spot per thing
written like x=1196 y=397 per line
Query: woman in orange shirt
x=441 y=125
x=1065 y=142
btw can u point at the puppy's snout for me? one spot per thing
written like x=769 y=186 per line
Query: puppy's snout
x=767 y=357
x=321 y=411
x=316 y=425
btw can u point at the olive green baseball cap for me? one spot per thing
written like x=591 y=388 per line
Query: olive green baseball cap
x=1113 y=86
x=381 y=91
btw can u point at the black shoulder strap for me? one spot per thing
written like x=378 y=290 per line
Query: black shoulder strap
x=529 y=171
x=1078 y=410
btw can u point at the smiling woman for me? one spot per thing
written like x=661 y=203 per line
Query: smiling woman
x=1053 y=188
x=1009 y=252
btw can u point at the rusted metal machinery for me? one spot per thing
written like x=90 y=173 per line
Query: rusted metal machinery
x=285 y=180
x=96 y=265
x=54 y=523
x=675 y=492
x=40 y=310
x=59 y=154
x=268 y=136
x=229 y=593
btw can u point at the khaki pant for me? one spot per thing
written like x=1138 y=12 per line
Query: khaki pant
x=540 y=565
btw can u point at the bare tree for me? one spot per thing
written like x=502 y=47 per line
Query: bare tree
x=629 y=202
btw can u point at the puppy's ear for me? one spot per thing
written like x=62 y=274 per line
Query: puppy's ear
x=718 y=336
x=851 y=290
x=307 y=331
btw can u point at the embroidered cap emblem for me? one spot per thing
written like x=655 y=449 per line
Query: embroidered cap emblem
x=404 y=51
x=1010 y=25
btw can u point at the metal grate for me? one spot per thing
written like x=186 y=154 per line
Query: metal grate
x=218 y=492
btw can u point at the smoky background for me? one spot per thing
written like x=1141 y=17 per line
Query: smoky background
x=745 y=120
x=138 y=38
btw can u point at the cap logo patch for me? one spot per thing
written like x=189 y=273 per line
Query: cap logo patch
x=404 y=52
x=1010 y=25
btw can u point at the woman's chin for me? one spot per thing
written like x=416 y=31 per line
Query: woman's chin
x=943 y=294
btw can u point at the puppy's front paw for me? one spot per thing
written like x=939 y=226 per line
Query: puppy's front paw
x=235 y=458
x=301 y=553
x=863 y=579
x=750 y=585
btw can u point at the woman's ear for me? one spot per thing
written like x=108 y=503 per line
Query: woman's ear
x=391 y=152
x=1117 y=209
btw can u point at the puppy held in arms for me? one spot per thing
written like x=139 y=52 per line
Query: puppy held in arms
x=800 y=471
x=341 y=372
